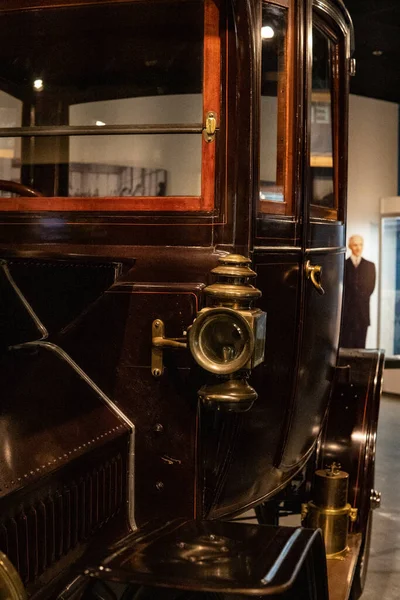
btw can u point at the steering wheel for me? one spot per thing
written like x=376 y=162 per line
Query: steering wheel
x=18 y=188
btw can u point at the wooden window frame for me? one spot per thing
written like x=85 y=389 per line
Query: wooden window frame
x=285 y=124
x=211 y=102
x=316 y=211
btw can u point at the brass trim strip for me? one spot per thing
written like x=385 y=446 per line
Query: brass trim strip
x=278 y=248
x=334 y=250
x=266 y=249
x=42 y=329
x=71 y=130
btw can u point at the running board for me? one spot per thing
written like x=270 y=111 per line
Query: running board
x=221 y=557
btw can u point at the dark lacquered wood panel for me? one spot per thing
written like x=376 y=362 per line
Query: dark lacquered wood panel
x=273 y=231
x=39 y=388
x=326 y=234
x=117 y=355
x=250 y=440
x=317 y=359
x=88 y=231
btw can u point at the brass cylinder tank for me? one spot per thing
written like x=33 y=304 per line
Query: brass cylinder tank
x=329 y=509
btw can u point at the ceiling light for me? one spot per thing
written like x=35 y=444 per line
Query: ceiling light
x=38 y=85
x=377 y=52
x=267 y=32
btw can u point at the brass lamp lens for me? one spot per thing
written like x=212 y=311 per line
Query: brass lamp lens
x=221 y=341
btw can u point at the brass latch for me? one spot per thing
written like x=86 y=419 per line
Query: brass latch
x=210 y=127
x=314 y=272
x=159 y=342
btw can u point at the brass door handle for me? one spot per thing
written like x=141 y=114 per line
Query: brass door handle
x=314 y=272
x=159 y=343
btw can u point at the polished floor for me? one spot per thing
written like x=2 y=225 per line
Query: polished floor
x=383 y=581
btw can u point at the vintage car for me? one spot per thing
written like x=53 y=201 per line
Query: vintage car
x=172 y=244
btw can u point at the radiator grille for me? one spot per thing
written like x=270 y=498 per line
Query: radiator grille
x=43 y=531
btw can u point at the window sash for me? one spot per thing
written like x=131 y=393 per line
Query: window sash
x=211 y=103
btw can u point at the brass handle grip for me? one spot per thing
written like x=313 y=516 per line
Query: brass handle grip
x=159 y=343
x=314 y=272
x=162 y=342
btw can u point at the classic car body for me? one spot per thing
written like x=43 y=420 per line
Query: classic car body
x=151 y=150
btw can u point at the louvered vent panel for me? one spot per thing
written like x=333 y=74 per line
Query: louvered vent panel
x=44 y=531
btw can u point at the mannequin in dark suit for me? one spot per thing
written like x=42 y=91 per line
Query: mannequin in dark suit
x=359 y=283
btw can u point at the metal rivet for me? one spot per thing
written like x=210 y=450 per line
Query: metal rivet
x=159 y=486
x=158 y=428
x=156 y=372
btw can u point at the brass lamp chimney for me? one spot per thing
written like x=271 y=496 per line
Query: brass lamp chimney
x=228 y=336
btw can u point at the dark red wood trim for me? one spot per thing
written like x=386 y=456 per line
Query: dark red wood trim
x=289 y=99
x=211 y=97
x=119 y=204
x=16 y=5
x=268 y=207
x=323 y=212
x=285 y=141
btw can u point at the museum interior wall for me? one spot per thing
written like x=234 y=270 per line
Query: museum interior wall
x=373 y=174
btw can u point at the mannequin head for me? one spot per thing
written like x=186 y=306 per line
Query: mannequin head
x=356 y=245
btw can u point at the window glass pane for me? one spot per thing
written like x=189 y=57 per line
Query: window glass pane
x=273 y=33
x=10 y=116
x=117 y=165
x=97 y=55
x=321 y=122
x=103 y=65
x=155 y=110
x=389 y=320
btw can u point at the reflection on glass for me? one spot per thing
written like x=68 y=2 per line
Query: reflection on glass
x=10 y=116
x=154 y=110
x=273 y=34
x=104 y=166
x=321 y=122
x=63 y=57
